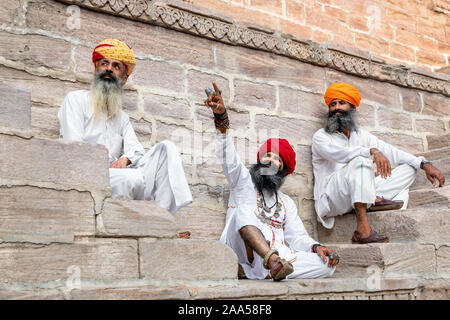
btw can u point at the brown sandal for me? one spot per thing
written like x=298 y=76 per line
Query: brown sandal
x=385 y=204
x=281 y=269
x=373 y=237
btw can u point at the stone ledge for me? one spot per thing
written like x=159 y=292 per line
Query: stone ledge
x=133 y=218
x=212 y=25
x=311 y=289
x=390 y=259
x=425 y=226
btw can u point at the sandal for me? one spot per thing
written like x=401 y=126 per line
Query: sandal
x=373 y=237
x=281 y=269
x=385 y=204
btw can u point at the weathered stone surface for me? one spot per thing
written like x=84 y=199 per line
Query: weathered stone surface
x=39 y=215
x=411 y=99
x=388 y=259
x=43 y=89
x=263 y=65
x=435 y=289
x=184 y=259
x=436 y=142
x=305 y=103
x=404 y=142
x=137 y=218
x=394 y=120
x=44 y=121
x=33 y=50
x=15 y=107
x=8 y=11
x=436 y=104
x=287 y=128
x=137 y=293
x=66 y=164
x=198 y=81
x=157 y=41
x=203 y=223
x=158 y=105
x=432 y=126
x=430 y=198
x=443 y=259
x=257 y=95
x=97 y=259
x=159 y=75
x=422 y=225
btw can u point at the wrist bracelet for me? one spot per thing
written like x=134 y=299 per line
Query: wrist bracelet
x=221 y=121
x=314 y=247
x=378 y=151
x=267 y=257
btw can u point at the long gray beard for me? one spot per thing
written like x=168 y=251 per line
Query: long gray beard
x=267 y=182
x=106 y=95
x=336 y=122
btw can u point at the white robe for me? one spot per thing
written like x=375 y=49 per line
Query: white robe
x=331 y=156
x=154 y=175
x=287 y=234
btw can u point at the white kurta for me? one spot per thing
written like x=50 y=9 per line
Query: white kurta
x=331 y=153
x=156 y=175
x=287 y=233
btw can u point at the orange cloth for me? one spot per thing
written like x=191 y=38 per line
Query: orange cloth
x=342 y=91
x=115 y=49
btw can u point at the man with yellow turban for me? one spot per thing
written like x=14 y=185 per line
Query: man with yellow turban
x=353 y=168
x=96 y=116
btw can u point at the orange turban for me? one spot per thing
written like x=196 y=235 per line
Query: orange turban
x=342 y=91
x=115 y=49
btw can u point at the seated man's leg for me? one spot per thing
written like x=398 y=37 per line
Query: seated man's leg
x=308 y=265
x=353 y=187
x=396 y=187
x=127 y=183
x=165 y=181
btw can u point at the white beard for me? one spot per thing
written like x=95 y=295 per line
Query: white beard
x=106 y=96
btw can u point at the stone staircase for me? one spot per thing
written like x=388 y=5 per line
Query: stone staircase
x=62 y=236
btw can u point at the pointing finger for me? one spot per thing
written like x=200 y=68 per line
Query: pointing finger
x=216 y=89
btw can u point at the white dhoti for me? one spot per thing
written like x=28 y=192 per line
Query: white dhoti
x=307 y=265
x=356 y=182
x=158 y=176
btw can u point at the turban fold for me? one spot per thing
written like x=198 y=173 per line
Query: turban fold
x=342 y=91
x=115 y=49
x=283 y=149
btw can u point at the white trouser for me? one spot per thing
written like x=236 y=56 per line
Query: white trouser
x=356 y=182
x=307 y=265
x=158 y=176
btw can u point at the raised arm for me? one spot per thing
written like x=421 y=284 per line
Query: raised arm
x=233 y=168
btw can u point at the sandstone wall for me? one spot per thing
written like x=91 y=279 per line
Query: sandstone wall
x=414 y=32
x=269 y=92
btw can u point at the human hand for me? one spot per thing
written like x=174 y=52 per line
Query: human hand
x=383 y=164
x=433 y=173
x=323 y=252
x=120 y=163
x=215 y=101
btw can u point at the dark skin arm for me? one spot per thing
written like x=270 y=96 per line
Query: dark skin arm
x=433 y=173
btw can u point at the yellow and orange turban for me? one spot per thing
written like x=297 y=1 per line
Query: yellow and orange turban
x=342 y=91
x=115 y=49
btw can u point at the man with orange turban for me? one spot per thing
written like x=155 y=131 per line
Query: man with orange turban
x=353 y=168
x=96 y=116
x=260 y=218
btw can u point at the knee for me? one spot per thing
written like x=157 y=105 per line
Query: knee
x=134 y=179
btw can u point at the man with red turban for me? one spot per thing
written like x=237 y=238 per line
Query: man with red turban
x=96 y=116
x=353 y=168
x=262 y=224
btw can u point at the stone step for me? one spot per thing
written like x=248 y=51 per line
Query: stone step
x=386 y=259
x=134 y=218
x=52 y=163
x=426 y=226
x=436 y=142
x=201 y=222
x=430 y=198
x=104 y=260
x=410 y=288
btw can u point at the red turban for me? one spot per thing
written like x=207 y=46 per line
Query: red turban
x=283 y=149
x=115 y=49
x=342 y=91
